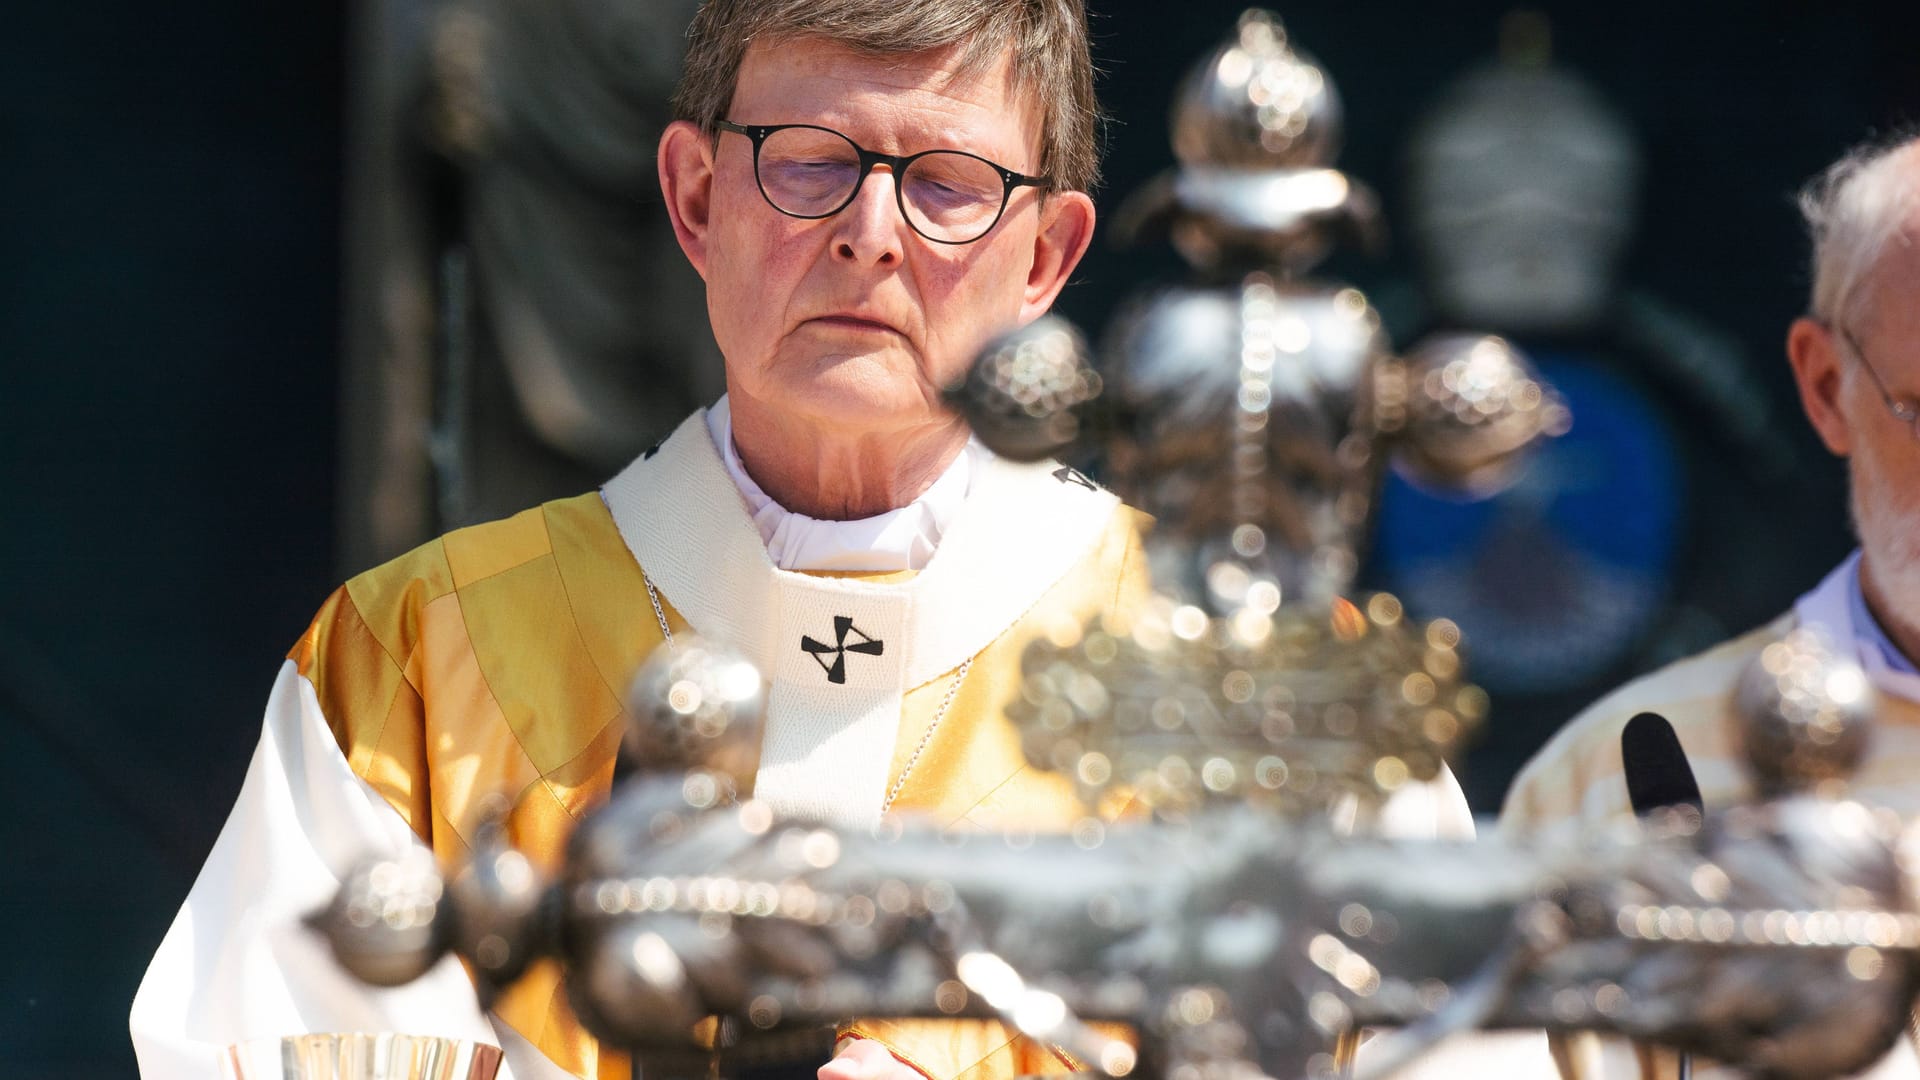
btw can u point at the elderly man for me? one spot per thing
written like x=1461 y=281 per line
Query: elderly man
x=870 y=189
x=1856 y=359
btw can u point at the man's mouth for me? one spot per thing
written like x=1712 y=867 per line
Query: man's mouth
x=855 y=323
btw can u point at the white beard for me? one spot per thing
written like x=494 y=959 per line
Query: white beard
x=1886 y=515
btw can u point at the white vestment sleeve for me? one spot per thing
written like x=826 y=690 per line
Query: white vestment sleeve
x=237 y=963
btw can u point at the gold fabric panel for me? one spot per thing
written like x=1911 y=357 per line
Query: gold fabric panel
x=373 y=712
x=495 y=659
x=477 y=553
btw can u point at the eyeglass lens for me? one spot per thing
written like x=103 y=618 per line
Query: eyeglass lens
x=947 y=195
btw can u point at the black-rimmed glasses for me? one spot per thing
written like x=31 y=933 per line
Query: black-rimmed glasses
x=947 y=196
x=1904 y=410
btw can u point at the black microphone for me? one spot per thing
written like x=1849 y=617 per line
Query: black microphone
x=1656 y=767
x=1658 y=778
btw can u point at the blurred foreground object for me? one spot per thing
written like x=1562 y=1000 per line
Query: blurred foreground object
x=1257 y=406
x=385 y=1056
x=1783 y=937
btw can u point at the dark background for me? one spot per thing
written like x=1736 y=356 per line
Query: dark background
x=170 y=200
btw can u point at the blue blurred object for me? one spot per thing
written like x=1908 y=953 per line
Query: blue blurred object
x=1556 y=577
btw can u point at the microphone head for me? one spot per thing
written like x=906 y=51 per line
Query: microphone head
x=1655 y=765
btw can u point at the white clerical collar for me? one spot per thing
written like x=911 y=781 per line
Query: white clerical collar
x=902 y=539
x=1838 y=605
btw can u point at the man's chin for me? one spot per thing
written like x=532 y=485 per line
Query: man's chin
x=855 y=396
x=1890 y=536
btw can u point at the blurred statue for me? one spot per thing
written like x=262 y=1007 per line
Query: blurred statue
x=521 y=322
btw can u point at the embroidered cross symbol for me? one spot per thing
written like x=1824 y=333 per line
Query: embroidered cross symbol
x=1067 y=474
x=820 y=650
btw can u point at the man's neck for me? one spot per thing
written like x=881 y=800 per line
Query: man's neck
x=836 y=474
x=1903 y=633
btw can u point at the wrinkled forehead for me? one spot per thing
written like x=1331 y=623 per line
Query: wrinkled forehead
x=954 y=95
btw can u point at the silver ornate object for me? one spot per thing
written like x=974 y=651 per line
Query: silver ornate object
x=1294 y=713
x=1806 y=716
x=1783 y=937
x=1257 y=101
x=1263 y=403
x=696 y=705
x=1236 y=943
x=385 y=923
x=1255 y=410
x=1522 y=191
x=359 y=1056
x=1463 y=408
x=1024 y=395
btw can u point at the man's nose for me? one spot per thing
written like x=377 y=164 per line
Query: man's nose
x=869 y=231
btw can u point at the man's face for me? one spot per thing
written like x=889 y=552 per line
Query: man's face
x=856 y=320
x=1884 y=463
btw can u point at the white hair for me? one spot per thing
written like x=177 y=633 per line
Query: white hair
x=1854 y=210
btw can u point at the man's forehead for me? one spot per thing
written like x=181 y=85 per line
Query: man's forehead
x=810 y=79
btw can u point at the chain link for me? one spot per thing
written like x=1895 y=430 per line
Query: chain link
x=959 y=676
x=666 y=632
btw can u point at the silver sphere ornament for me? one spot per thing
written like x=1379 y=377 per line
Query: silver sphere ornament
x=1805 y=715
x=1256 y=102
x=499 y=899
x=631 y=986
x=695 y=704
x=389 y=923
x=1025 y=394
x=1465 y=408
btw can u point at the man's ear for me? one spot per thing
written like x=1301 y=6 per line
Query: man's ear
x=1814 y=352
x=1066 y=229
x=686 y=181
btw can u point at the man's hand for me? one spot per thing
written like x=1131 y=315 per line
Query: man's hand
x=865 y=1059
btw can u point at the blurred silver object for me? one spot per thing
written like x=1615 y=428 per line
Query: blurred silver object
x=1025 y=393
x=1297 y=713
x=1807 y=716
x=1257 y=101
x=1239 y=942
x=696 y=706
x=1261 y=405
x=384 y=923
x=1463 y=408
x=359 y=1056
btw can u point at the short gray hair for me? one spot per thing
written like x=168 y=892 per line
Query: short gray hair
x=1854 y=209
x=1048 y=38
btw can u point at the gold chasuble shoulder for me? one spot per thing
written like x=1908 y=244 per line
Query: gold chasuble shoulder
x=494 y=661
